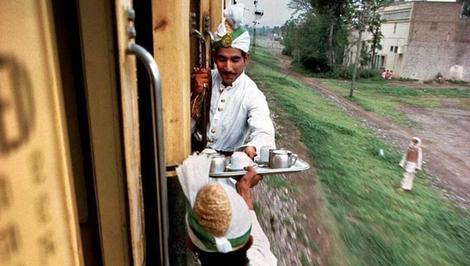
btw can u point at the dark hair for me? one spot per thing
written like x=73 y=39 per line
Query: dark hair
x=234 y=258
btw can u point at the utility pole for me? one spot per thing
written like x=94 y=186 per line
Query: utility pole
x=254 y=37
x=258 y=14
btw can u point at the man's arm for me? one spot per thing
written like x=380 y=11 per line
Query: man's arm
x=260 y=124
x=200 y=79
x=260 y=251
x=245 y=183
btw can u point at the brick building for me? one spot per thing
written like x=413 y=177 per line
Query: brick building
x=422 y=39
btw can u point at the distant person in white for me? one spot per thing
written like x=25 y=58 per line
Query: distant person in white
x=411 y=161
x=456 y=72
x=239 y=113
x=222 y=226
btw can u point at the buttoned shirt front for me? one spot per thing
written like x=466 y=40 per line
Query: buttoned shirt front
x=239 y=116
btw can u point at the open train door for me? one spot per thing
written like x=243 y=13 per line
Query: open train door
x=38 y=217
x=110 y=58
x=116 y=71
x=70 y=157
x=87 y=145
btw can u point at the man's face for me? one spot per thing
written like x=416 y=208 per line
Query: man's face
x=230 y=63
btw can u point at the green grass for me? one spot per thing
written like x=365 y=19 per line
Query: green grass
x=385 y=99
x=376 y=224
x=265 y=58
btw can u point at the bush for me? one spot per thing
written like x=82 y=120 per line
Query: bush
x=456 y=81
x=407 y=79
x=342 y=72
x=315 y=64
x=286 y=51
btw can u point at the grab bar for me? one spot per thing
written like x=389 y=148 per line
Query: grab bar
x=157 y=132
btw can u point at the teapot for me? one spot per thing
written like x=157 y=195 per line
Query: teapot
x=281 y=159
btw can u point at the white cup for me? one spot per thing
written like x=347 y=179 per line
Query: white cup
x=239 y=160
x=264 y=153
x=217 y=164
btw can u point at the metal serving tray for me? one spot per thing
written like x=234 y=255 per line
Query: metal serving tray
x=300 y=165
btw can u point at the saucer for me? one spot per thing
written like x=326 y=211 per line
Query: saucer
x=258 y=161
x=230 y=169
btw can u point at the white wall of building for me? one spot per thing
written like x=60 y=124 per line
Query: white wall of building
x=395 y=33
x=421 y=39
x=394 y=45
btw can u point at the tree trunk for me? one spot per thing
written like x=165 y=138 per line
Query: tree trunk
x=331 y=51
x=374 y=46
x=358 y=54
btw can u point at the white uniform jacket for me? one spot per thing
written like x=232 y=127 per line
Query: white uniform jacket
x=239 y=116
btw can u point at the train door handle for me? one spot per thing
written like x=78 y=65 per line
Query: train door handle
x=157 y=125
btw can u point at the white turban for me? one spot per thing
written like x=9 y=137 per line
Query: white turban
x=231 y=32
x=194 y=177
x=418 y=141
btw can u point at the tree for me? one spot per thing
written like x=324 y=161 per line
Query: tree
x=317 y=38
x=375 y=23
x=335 y=10
x=306 y=40
x=359 y=24
x=465 y=8
x=365 y=57
x=289 y=33
x=276 y=30
x=364 y=16
x=332 y=11
x=301 y=5
x=375 y=44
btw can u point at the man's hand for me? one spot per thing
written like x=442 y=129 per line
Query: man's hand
x=251 y=177
x=245 y=183
x=250 y=151
x=200 y=80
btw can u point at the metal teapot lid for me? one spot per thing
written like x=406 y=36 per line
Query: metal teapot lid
x=280 y=151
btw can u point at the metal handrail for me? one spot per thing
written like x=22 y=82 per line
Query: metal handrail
x=202 y=47
x=207 y=95
x=157 y=132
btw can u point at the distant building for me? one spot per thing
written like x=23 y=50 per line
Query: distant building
x=421 y=39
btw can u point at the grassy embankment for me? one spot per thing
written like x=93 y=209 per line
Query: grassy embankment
x=385 y=98
x=376 y=224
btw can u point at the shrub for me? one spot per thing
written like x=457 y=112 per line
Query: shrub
x=342 y=72
x=456 y=81
x=407 y=79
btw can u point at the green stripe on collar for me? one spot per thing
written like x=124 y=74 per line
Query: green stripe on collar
x=208 y=240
